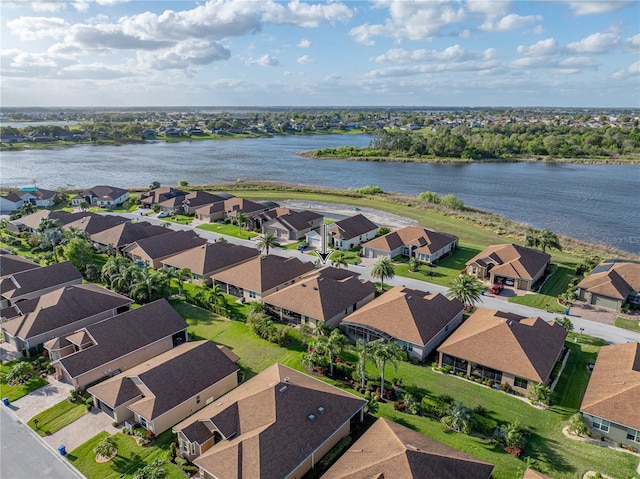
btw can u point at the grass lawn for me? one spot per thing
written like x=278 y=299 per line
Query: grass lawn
x=130 y=458
x=631 y=324
x=540 y=301
x=16 y=392
x=227 y=229
x=57 y=417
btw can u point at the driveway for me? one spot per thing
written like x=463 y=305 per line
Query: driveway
x=81 y=430
x=33 y=403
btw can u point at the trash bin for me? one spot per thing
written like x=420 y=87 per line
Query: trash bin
x=5 y=401
x=566 y=311
x=482 y=292
x=62 y=450
x=355 y=263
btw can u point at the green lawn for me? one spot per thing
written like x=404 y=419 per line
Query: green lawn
x=130 y=458
x=631 y=324
x=57 y=417
x=540 y=301
x=227 y=229
x=16 y=392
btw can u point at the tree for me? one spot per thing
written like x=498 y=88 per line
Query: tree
x=27 y=209
x=565 y=323
x=459 y=418
x=540 y=394
x=382 y=270
x=80 y=253
x=429 y=197
x=84 y=205
x=338 y=259
x=106 y=448
x=183 y=183
x=50 y=234
x=363 y=350
x=331 y=346
x=577 y=425
x=20 y=373
x=154 y=185
x=543 y=239
x=241 y=220
x=266 y=241
x=414 y=264
x=112 y=268
x=154 y=470
x=465 y=288
x=149 y=285
x=383 y=352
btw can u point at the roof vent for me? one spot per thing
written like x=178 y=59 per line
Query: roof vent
x=321 y=410
x=320 y=279
x=283 y=388
x=286 y=379
x=311 y=417
x=303 y=285
x=412 y=447
x=315 y=288
x=409 y=297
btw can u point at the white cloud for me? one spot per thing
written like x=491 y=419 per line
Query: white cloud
x=632 y=71
x=304 y=44
x=596 y=7
x=632 y=44
x=183 y=55
x=412 y=20
x=42 y=6
x=510 y=22
x=264 y=61
x=305 y=14
x=37 y=28
x=452 y=53
x=490 y=8
x=305 y=60
x=545 y=47
x=595 y=43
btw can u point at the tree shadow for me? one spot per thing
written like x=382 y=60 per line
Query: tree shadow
x=545 y=450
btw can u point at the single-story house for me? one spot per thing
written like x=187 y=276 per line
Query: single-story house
x=324 y=296
x=158 y=195
x=278 y=424
x=168 y=388
x=611 y=284
x=209 y=259
x=612 y=400
x=511 y=264
x=102 y=195
x=413 y=242
x=211 y=212
x=37 y=281
x=92 y=223
x=290 y=225
x=12 y=264
x=417 y=321
x=251 y=209
x=124 y=234
x=39 y=197
x=10 y=202
x=260 y=276
x=61 y=312
x=351 y=232
x=116 y=344
x=31 y=222
x=505 y=348
x=314 y=239
x=153 y=250
x=198 y=199
x=390 y=450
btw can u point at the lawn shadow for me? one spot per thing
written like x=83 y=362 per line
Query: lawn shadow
x=128 y=465
x=545 y=450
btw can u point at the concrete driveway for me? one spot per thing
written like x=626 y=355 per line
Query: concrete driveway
x=33 y=403
x=81 y=430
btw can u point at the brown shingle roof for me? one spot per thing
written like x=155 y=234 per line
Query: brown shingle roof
x=526 y=347
x=33 y=220
x=531 y=474
x=62 y=307
x=211 y=257
x=158 y=247
x=512 y=260
x=37 y=279
x=12 y=264
x=233 y=206
x=199 y=198
x=292 y=220
x=93 y=223
x=613 y=279
x=391 y=451
x=172 y=377
x=126 y=233
x=408 y=314
x=123 y=334
x=613 y=392
x=266 y=423
x=322 y=294
x=351 y=227
x=104 y=192
x=264 y=273
x=427 y=241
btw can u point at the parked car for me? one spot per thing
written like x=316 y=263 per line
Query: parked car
x=496 y=288
x=163 y=214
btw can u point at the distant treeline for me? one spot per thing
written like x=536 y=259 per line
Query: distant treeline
x=508 y=141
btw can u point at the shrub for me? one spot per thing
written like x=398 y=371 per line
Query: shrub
x=181 y=461
x=446 y=369
x=432 y=408
x=445 y=398
x=370 y=190
x=450 y=201
x=127 y=431
x=434 y=365
x=484 y=425
x=190 y=469
x=577 y=425
x=172 y=453
x=480 y=410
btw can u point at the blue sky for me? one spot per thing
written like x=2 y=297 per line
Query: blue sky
x=583 y=53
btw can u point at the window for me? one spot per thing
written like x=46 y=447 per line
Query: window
x=601 y=424
x=193 y=449
x=252 y=294
x=520 y=383
x=474 y=270
x=406 y=346
x=143 y=422
x=185 y=446
x=633 y=435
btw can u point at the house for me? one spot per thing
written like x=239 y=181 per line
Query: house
x=39 y=197
x=209 y=259
x=612 y=400
x=102 y=195
x=151 y=251
x=505 y=348
x=413 y=242
x=511 y=264
x=416 y=320
x=10 y=202
x=148 y=134
x=92 y=223
x=12 y=264
x=210 y=213
x=323 y=296
x=116 y=344
x=313 y=239
x=124 y=234
x=351 y=232
x=611 y=285
x=251 y=209
x=31 y=222
x=35 y=282
x=166 y=389
x=290 y=225
x=61 y=312
x=278 y=424
x=158 y=195
x=260 y=276
x=198 y=199
x=390 y=450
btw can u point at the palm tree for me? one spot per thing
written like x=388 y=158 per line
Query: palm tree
x=20 y=373
x=383 y=352
x=414 y=264
x=467 y=289
x=241 y=220
x=459 y=418
x=182 y=274
x=543 y=239
x=382 y=270
x=266 y=241
x=112 y=268
x=27 y=209
x=331 y=345
x=338 y=259
x=363 y=350
x=51 y=233
x=149 y=285
x=154 y=470
x=106 y=448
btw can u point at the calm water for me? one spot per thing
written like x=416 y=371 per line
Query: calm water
x=598 y=203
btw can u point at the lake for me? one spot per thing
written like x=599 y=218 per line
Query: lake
x=596 y=203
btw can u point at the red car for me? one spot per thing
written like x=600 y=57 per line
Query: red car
x=496 y=288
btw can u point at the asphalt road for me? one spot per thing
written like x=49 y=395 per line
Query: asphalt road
x=24 y=456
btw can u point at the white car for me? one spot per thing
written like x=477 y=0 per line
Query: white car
x=163 y=214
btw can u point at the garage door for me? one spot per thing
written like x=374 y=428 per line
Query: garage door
x=604 y=302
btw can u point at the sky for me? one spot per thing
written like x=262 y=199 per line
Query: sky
x=501 y=53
